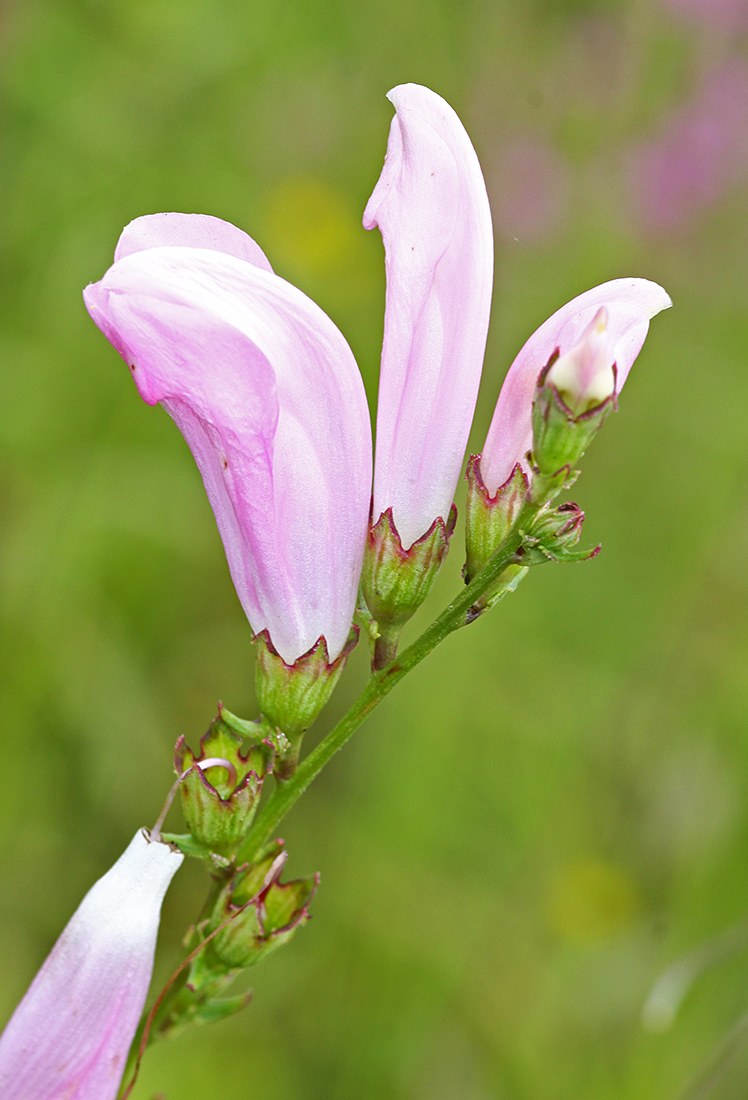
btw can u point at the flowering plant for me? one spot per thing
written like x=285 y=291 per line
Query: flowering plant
x=267 y=394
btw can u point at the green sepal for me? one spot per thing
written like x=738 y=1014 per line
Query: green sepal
x=188 y=846
x=291 y=696
x=394 y=581
x=489 y=519
x=199 y=999
x=559 y=437
x=553 y=536
x=211 y=1011
x=219 y=810
x=271 y=915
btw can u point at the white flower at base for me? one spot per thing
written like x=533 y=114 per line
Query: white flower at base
x=70 y=1035
x=584 y=377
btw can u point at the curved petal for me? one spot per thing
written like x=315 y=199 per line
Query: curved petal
x=631 y=304
x=70 y=1035
x=268 y=396
x=432 y=209
x=189 y=231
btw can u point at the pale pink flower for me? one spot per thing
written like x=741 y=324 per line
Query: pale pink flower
x=267 y=393
x=432 y=209
x=629 y=304
x=70 y=1035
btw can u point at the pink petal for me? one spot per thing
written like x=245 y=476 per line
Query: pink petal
x=631 y=303
x=190 y=231
x=432 y=209
x=268 y=396
x=71 y=1033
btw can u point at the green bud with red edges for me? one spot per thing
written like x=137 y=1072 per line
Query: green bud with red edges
x=266 y=912
x=395 y=581
x=219 y=802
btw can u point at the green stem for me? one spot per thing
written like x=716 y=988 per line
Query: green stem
x=459 y=613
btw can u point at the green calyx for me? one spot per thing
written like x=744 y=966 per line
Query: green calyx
x=560 y=437
x=555 y=534
x=488 y=521
x=219 y=802
x=262 y=912
x=395 y=582
x=251 y=916
x=291 y=696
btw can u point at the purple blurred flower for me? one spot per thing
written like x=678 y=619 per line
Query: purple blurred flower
x=432 y=209
x=629 y=303
x=71 y=1033
x=729 y=15
x=267 y=393
x=701 y=152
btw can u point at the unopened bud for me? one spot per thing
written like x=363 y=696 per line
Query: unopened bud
x=554 y=536
x=396 y=581
x=277 y=909
x=489 y=520
x=574 y=395
x=584 y=377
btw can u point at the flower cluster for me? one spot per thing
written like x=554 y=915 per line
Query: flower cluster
x=268 y=396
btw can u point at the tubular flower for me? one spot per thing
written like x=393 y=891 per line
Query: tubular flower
x=596 y=337
x=71 y=1033
x=268 y=396
x=431 y=206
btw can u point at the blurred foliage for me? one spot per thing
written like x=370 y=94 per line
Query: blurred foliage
x=554 y=807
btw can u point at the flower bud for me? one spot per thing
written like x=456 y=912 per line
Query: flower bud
x=630 y=304
x=395 y=581
x=219 y=803
x=575 y=393
x=489 y=519
x=554 y=534
x=277 y=909
x=585 y=377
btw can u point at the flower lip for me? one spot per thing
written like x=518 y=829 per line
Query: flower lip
x=189 y=231
x=268 y=395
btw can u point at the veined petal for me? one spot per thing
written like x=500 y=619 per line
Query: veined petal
x=189 y=231
x=631 y=304
x=269 y=398
x=432 y=209
x=71 y=1033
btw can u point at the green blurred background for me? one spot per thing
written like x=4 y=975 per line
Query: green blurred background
x=553 y=808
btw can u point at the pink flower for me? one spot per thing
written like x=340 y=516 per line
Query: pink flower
x=267 y=394
x=584 y=347
x=71 y=1033
x=432 y=209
